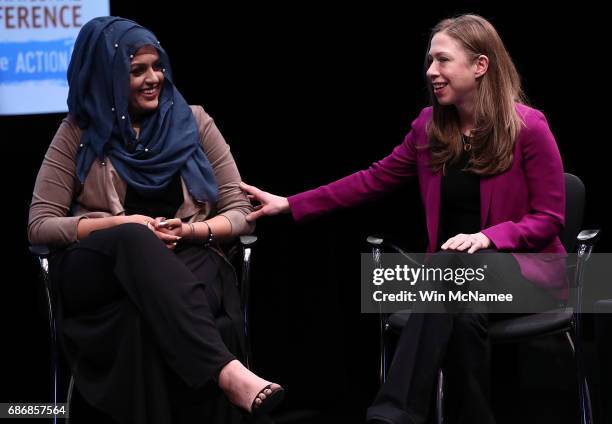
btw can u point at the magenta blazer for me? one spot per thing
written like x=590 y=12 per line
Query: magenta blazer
x=521 y=210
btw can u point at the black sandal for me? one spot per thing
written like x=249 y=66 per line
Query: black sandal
x=269 y=403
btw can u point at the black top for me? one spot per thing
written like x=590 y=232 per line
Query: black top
x=165 y=204
x=459 y=201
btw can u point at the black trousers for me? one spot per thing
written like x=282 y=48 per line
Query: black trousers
x=139 y=324
x=456 y=342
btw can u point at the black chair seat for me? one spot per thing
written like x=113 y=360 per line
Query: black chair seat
x=530 y=326
x=40 y=250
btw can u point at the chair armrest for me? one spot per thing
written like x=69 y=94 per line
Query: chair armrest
x=377 y=243
x=40 y=250
x=589 y=237
x=248 y=240
x=247 y=243
x=586 y=243
x=42 y=253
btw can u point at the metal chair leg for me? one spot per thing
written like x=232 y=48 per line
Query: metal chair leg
x=55 y=352
x=440 y=398
x=382 y=361
x=247 y=243
x=69 y=397
x=376 y=246
x=586 y=414
x=55 y=359
x=586 y=243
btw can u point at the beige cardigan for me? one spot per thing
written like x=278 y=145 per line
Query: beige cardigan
x=60 y=200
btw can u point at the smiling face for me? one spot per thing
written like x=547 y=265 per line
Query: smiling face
x=146 y=80
x=452 y=73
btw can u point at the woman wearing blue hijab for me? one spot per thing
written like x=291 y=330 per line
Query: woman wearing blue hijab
x=139 y=294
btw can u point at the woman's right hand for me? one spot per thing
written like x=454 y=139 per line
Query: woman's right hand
x=270 y=204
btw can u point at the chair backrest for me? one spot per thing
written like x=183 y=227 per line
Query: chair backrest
x=574 y=211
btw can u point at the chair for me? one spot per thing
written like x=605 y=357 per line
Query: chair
x=560 y=321
x=42 y=253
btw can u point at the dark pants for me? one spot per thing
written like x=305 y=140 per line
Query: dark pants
x=139 y=322
x=456 y=342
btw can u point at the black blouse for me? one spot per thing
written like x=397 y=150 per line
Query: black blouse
x=165 y=204
x=459 y=201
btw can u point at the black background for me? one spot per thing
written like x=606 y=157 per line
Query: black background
x=304 y=95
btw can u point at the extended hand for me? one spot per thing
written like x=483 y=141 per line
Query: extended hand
x=270 y=204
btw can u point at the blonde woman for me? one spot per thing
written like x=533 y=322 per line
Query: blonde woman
x=491 y=179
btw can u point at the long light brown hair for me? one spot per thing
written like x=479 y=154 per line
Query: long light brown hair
x=496 y=122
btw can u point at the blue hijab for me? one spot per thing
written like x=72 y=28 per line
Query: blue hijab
x=98 y=98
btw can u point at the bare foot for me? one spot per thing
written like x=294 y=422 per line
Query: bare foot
x=241 y=386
